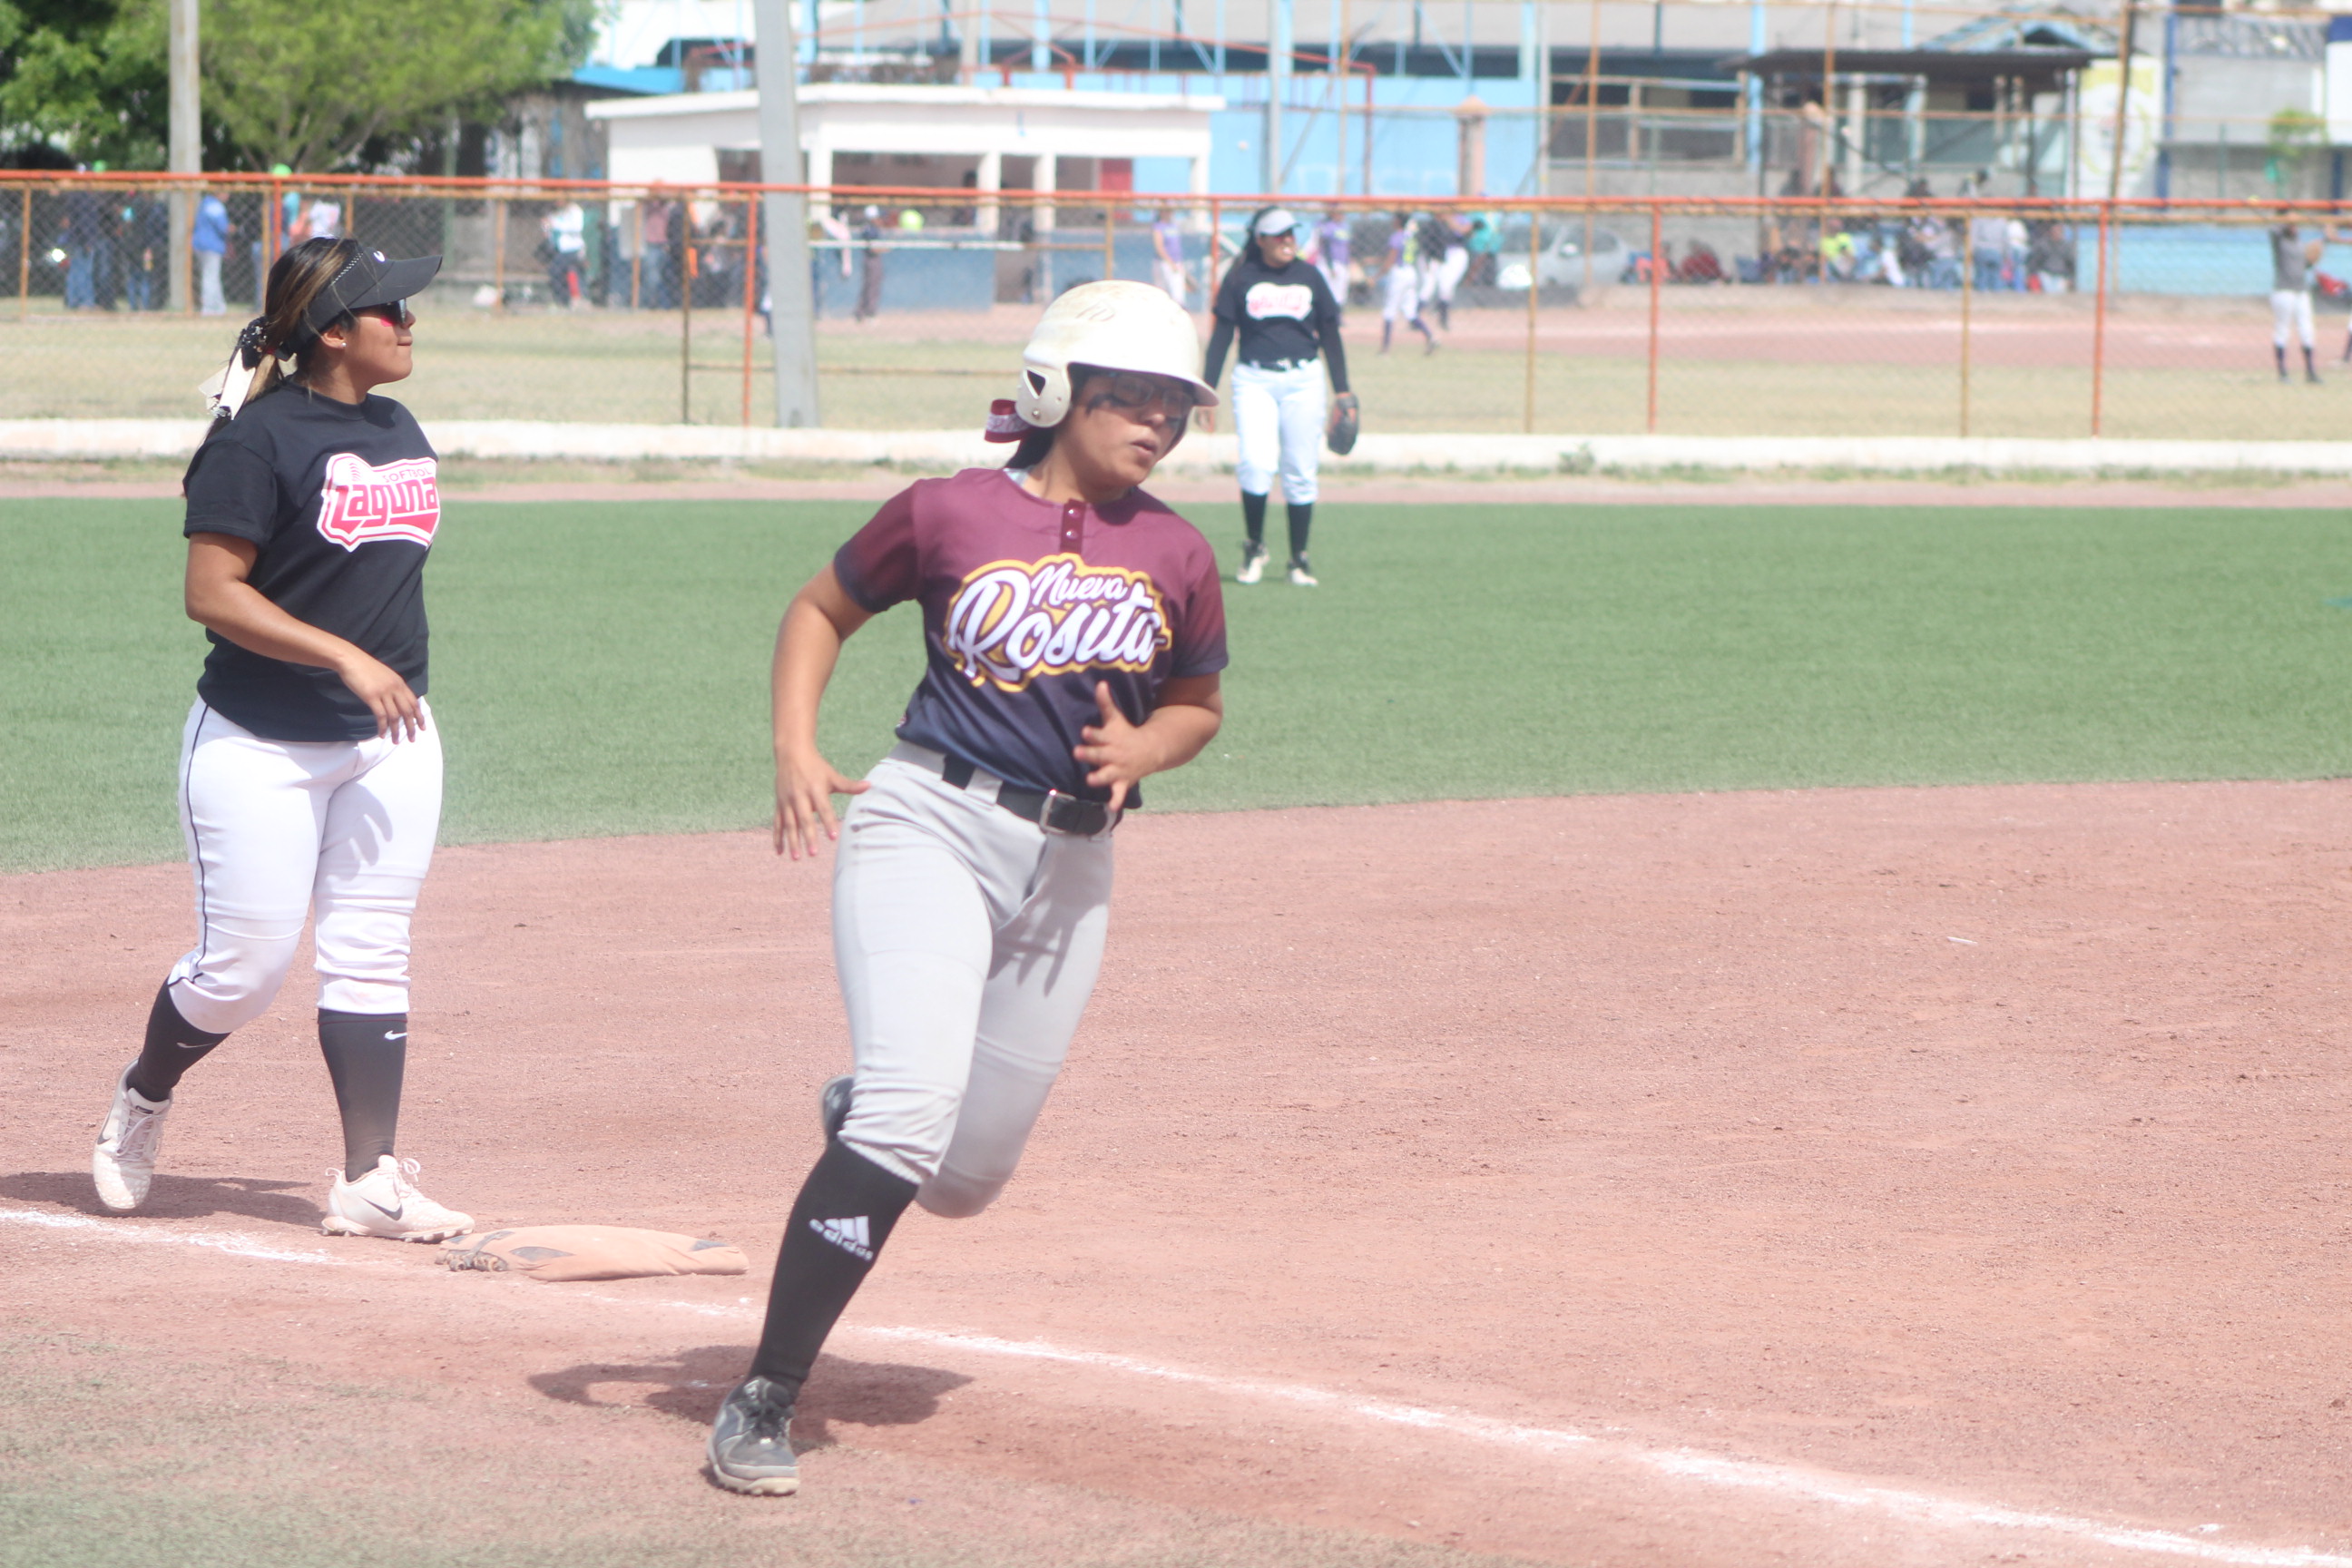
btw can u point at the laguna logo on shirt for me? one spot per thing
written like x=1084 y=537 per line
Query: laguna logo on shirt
x=1294 y=300
x=359 y=502
x=1013 y=621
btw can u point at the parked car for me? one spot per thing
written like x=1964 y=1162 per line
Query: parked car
x=1563 y=263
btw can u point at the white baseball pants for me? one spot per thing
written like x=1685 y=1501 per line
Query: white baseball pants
x=2291 y=312
x=1173 y=279
x=1451 y=270
x=1279 y=415
x=339 y=830
x=967 y=942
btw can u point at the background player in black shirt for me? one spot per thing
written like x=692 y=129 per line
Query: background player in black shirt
x=311 y=768
x=1288 y=321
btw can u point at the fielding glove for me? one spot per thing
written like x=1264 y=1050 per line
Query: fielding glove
x=1346 y=423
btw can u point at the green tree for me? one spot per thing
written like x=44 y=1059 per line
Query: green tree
x=285 y=81
x=87 y=77
x=308 y=85
x=2295 y=135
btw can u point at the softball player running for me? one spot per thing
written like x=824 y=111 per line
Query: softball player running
x=309 y=767
x=1288 y=321
x=1401 y=288
x=1073 y=630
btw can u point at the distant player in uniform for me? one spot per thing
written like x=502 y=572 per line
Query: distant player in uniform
x=1074 y=633
x=2291 y=298
x=1168 y=267
x=1330 y=254
x=1288 y=325
x=309 y=767
x=1401 y=288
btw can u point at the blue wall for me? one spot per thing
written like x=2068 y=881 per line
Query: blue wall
x=1413 y=154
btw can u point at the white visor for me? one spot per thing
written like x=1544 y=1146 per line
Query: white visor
x=1278 y=221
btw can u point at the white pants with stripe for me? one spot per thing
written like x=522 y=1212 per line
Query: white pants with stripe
x=339 y=831
x=967 y=942
x=1279 y=417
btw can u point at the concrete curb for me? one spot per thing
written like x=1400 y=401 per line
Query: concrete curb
x=523 y=441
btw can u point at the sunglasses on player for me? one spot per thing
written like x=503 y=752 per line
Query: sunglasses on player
x=1132 y=393
x=392 y=310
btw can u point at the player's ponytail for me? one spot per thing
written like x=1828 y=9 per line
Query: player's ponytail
x=283 y=330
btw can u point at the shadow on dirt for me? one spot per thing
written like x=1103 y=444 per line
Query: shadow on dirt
x=176 y=1197
x=865 y=1393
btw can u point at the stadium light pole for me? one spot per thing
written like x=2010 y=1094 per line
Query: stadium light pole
x=790 y=291
x=187 y=147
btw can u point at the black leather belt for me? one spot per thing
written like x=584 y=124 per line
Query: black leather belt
x=1049 y=809
x=1283 y=364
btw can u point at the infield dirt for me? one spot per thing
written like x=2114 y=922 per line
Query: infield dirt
x=1982 y=1144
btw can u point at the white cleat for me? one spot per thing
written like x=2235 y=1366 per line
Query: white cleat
x=385 y=1203
x=123 y=1164
x=1253 y=565
x=1300 y=577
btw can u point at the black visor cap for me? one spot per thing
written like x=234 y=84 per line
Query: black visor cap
x=371 y=279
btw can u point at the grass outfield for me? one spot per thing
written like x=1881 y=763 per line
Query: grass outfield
x=602 y=669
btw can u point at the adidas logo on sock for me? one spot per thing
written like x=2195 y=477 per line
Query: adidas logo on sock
x=849 y=1235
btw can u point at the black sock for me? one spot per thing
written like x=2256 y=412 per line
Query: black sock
x=1254 y=519
x=844 y=1214
x=1302 y=518
x=172 y=1046
x=2309 y=369
x=2278 y=353
x=367 y=1055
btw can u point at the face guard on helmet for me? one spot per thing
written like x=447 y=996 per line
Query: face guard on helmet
x=1117 y=326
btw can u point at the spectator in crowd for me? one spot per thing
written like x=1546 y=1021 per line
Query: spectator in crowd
x=869 y=286
x=1988 y=243
x=2049 y=254
x=89 y=247
x=1484 y=241
x=1327 y=250
x=566 y=229
x=2013 y=255
x=209 y=240
x=324 y=220
x=2291 y=297
x=1168 y=265
x=658 y=226
x=146 y=245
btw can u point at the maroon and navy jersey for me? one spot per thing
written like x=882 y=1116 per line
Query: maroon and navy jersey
x=1026 y=604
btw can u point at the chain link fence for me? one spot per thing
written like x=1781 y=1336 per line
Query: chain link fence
x=1724 y=316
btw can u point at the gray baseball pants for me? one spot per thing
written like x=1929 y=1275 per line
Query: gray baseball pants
x=967 y=942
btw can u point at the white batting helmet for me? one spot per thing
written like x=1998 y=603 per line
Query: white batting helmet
x=1116 y=325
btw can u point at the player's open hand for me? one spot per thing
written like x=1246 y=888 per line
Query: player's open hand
x=806 y=785
x=379 y=686
x=1118 y=753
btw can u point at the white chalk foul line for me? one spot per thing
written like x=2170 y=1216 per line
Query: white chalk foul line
x=1781 y=1480
x=1707 y=1469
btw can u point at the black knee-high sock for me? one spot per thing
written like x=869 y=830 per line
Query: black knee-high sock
x=1302 y=518
x=172 y=1046
x=367 y=1055
x=844 y=1214
x=1254 y=519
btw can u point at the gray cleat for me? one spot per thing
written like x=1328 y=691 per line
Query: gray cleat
x=751 y=1442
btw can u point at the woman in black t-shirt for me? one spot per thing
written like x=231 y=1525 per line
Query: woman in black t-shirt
x=1288 y=325
x=310 y=769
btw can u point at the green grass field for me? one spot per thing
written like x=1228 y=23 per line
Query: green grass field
x=602 y=669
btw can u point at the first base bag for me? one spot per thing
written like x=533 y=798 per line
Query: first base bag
x=559 y=1252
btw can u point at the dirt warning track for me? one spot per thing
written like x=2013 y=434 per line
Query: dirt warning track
x=1863 y=1176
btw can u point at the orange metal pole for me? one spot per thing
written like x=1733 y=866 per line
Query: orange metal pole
x=2099 y=324
x=1657 y=271
x=24 y=257
x=751 y=294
